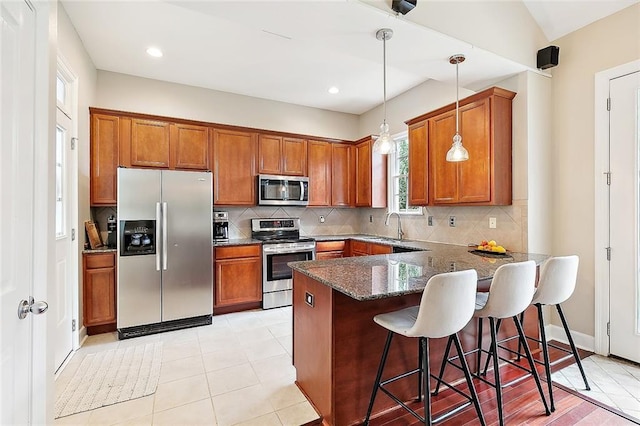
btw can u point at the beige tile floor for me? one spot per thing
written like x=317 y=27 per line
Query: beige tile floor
x=237 y=371
x=614 y=383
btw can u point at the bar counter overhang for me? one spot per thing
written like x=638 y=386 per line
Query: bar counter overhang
x=336 y=344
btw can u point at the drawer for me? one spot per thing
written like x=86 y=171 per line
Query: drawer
x=238 y=251
x=359 y=246
x=94 y=261
x=329 y=246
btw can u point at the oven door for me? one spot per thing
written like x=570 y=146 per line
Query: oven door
x=275 y=272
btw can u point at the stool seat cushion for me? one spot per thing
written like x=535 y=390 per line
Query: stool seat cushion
x=399 y=321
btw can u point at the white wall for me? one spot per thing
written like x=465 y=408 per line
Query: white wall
x=607 y=43
x=70 y=47
x=135 y=94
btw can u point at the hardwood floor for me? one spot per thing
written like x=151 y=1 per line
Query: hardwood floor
x=521 y=404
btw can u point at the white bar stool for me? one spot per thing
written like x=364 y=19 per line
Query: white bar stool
x=447 y=305
x=510 y=293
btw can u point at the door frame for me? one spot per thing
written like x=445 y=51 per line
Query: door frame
x=601 y=156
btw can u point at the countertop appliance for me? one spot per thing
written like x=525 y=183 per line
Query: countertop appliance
x=220 y=227
x=112 y=234
x=165 y=259
x=274 y=190
x=281 y=244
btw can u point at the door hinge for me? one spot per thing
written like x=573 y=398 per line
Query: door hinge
x=608 y=329
x=608 y=174
x=73 y=234
x=73 y=325
x=73 y=143
x=608 y=249
x=608 y=104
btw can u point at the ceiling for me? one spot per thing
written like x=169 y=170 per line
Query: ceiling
x=292 y=51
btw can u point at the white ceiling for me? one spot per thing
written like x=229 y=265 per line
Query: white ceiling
x=290 y=51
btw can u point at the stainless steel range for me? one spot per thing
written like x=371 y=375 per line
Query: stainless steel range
x=281 y=244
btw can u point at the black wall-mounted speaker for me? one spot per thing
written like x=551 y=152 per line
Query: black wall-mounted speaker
x=548 y=57
x=403 y=6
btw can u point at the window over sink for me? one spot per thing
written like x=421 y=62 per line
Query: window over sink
x=398 y=188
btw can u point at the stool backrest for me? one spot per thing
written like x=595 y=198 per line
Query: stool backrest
x=447 y=304
x=557 y=281
x=511 y=290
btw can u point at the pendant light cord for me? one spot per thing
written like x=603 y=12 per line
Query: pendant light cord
x=457 y=96
x=384 y=76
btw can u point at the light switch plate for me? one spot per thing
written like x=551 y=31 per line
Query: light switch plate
x=492 y=222
x=321 y=219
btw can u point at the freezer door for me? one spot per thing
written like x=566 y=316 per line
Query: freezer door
x=187 y=264
x=138 y=193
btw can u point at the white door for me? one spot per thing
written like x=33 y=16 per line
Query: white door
x=26 y=376
x=624 y=148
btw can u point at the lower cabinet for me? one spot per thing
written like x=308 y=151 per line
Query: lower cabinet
x=99 y=290
x=330 y=249
x=238 y=278
x=361 y=248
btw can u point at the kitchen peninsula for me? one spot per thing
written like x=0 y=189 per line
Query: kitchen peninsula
x=336 y=344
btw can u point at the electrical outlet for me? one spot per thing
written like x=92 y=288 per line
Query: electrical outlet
x=452 y=221
x=492 y=222
x=452 y=266
x=370 y=218
x=321 y=219
x=430 y=221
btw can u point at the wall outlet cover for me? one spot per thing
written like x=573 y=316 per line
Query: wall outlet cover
x=321 y=219
x=452 y=221
x=430 y=221
x=492 y=222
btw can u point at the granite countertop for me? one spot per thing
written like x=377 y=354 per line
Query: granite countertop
x=410 y=244
x=381 y=276
x=99 y=250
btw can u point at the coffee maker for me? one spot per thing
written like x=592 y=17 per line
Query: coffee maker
x=220 y=226
x=111 y=232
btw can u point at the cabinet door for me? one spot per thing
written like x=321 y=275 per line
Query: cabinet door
x=189 y=147
x=418 y=165
x=380 y=249
x=294 y=157
x=474 y=175
x=99 y=289
x=319 y=172
x=238 y=281
x=269 y=152
x=363 y=174
x=342 y=170
x=234 y=167
x=149 y=143
x=104 y=145
x=329 y=255
x=443 y=176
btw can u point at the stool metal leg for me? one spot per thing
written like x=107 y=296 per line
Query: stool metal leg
x=490 y=354
x=532 y=364
x=420 y=372
x=573 y=346
x=479 y=346
x=424 y=343
x=443 y=365
x=467 y=376
x=376 y=385
x=520 y=344
x=545 y=353
x=496 y=369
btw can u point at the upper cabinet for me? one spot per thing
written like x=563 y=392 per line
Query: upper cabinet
x=319 y=172
x=234 y=167
x=105 y=140
x=280 y=155
x=418 y=164
x=371 y=175
x=342 y=174
x=189 y=146
x=485 y=127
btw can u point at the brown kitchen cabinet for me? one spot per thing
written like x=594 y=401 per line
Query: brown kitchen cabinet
x=319 y=172
x=330 y=249
x=362 y=248
x=99 y=290
x=104 y=147
x=342 y=174
x=371 y=175
x=148 y=144
x=278 y=155
x=418 y=164
x=234 y=167
x=238 y=278
x=485 y=127
x=189 y=145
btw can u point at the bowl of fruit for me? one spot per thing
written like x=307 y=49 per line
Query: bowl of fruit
x=491 y=247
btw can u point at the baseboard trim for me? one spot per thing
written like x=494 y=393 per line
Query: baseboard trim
x=582 y=341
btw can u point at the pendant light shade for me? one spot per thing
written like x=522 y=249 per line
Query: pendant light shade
x=384 y=144
x=457 y=152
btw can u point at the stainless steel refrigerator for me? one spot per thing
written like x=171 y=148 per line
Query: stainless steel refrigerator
x=165 y=259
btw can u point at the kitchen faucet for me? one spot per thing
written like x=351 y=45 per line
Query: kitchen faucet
x=386 y=223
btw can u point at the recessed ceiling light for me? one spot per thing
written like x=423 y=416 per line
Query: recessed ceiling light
x=155 y=52
x=333 y=90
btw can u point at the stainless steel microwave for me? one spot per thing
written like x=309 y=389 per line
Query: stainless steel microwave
x=276 y=190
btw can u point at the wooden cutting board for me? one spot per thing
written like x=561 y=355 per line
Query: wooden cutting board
x=92 y=234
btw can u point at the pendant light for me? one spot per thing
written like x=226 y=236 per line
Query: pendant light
x=457 y=152
x=384 y=144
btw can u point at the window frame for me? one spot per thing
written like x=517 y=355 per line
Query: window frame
x=393 y=179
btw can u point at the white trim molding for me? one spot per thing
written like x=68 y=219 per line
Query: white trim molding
x=582 y=341
x=601 y=231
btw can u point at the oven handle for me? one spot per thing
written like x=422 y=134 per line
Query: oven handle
x=285 y=251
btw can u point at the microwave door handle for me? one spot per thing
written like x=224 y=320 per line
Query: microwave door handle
x=158 y=215
x=301 y=191
x=164 y=236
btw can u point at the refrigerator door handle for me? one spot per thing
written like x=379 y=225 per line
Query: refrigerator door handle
x=164 y=236
x=158 y=214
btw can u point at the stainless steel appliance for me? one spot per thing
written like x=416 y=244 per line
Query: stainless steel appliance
x=283 y=190
x=281 y=244
x=165 y=262
x=112 y=234
x=221 y=226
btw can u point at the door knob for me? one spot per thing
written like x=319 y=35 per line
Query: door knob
x=36 y=308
